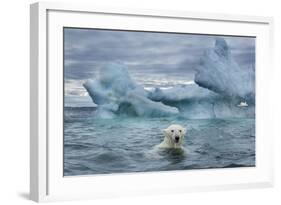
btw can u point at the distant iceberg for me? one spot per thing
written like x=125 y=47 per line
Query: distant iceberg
x=243 y=104
x=220 y=85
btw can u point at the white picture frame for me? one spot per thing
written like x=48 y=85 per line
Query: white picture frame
x=46 y=179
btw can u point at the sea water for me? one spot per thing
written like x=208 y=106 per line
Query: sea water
x=124 y=144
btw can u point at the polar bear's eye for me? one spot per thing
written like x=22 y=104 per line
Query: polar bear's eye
x=180 y=130
x=172 y=130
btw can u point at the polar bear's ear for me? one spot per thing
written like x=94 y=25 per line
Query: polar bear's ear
x=184 y=130
x=165 y=131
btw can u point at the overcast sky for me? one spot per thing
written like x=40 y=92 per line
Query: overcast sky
x=147 y=54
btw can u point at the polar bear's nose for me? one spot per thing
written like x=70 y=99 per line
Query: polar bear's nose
x=177 y=138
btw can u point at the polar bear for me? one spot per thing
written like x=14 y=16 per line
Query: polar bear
x=173 y=137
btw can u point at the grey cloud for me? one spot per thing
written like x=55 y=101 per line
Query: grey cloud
x=143 y=52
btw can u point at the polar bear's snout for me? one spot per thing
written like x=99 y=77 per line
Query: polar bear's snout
x=177 y=138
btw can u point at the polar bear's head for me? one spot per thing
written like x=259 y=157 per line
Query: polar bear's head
x=175 y=134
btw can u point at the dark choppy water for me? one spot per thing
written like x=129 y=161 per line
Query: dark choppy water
x=99 y=146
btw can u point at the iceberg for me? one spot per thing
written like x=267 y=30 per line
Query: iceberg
x=178 y=93
x=219 y=72
x=222 y=89
x=115 y=93
x=195 y=102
